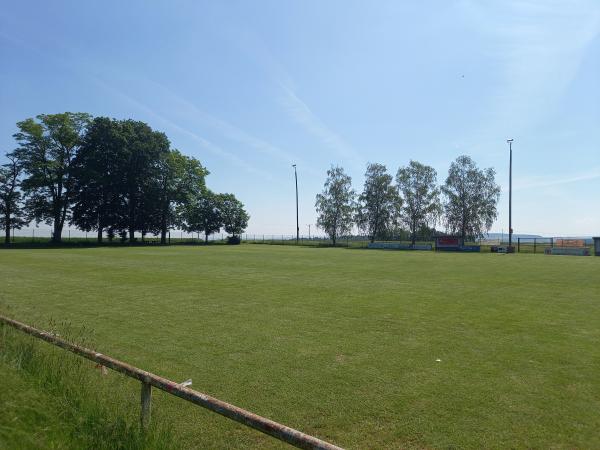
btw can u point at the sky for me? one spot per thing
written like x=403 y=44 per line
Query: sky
x=250 y=88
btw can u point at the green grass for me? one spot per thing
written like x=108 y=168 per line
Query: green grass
x=52 y=399
x=339 y=343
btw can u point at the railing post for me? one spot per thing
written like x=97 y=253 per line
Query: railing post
x=146 y=399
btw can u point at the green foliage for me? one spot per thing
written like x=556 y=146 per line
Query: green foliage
x=12 y=213
x=379 y=204
x=336 y=205
x=115 y=177
x=421 y=197
x=202 y=214
x=233 y=240
x=181 y=181
x=98 y=203
x=47 y=148
x=52 y=399
x=471 y=199
x=234 y=216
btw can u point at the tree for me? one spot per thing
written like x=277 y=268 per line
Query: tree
x=202 y=214
x=138 y=177
x=235 y=219
x=12 y=214
x=181 y=178
x=379 y=204
x=335 y=205
x=47 y=149
x=471 y=199
x=421 y=197
x=97 y=204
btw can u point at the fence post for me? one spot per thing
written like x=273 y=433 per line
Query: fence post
x=518 y=245
x=146 y=399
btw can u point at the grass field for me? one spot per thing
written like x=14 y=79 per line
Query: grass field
x=338 y=343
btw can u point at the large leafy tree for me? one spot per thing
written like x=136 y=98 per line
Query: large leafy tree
x=47 y=149
x=421 y=205
x=12 y=214
x=234 y=216
x=202 y=214
x=138 y=177
x=471 y=198
x=335 y=205
x=181 y=179
x=379 y=204
x=97 y=203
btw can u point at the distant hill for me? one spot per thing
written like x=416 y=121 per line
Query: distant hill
x=495 y=236
x=515 y=236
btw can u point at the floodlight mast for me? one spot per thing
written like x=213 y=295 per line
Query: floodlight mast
x=510 y=230
x=297 y=221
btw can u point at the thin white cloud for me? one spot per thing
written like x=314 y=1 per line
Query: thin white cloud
x=251 y=44
x=545 y=182
x=226 y=129
x=303 y=115
x=211 y=147
x=538 y=48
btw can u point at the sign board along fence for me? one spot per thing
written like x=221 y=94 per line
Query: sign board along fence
x=454 y=244
x=148 y=379
x=570 y=251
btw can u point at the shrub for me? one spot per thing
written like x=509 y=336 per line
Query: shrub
x=233 y=240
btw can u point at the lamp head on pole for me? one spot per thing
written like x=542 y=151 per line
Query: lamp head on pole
x=509 y=140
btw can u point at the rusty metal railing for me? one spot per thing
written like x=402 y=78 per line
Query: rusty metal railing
x=148 y=379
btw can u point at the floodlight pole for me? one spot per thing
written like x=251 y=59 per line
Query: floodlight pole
x=510 y=230
x=297 y=221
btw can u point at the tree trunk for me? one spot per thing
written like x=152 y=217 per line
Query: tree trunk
x=100 y=234
x=57 y=232
x=414 y=235
x=163 y=226
x=131 y=219
x=205 y=237
x=7 y=224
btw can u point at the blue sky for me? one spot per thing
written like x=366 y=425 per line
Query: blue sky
x=250 y=88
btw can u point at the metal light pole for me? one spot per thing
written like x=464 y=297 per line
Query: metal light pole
x=297 y=222
x=309 y=231
x=510 y=230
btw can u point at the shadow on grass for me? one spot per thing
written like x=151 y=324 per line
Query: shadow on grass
x=26 y=245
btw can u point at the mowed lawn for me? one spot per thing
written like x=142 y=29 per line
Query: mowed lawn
x=343 y=344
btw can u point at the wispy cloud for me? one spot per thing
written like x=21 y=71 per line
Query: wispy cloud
x=546 y=181
x=226 y=129
x=538 y=48
x=206 y=144
x=251 y=44
x=300 y=112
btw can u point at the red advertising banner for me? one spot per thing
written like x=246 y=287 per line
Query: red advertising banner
x=447 y=241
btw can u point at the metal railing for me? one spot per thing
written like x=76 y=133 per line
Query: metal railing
x=148 y=379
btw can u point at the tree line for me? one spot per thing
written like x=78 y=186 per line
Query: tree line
x=466 y=203
x=114 y=177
